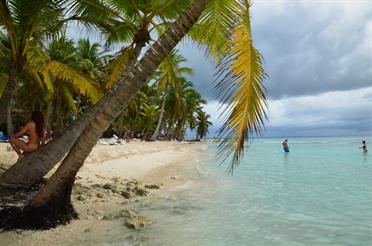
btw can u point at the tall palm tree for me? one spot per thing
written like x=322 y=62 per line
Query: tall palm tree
x=183 y=102
x=202 y=125
x=169 y=75
x=132 y=23
x=148 y=115
x=59 y=78
x=52 y=203
x=24 y=22
x=119 y=21
x=235 y=55
x=69 y=78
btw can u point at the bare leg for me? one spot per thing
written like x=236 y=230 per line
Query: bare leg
x=15 y=147
x=19 y=145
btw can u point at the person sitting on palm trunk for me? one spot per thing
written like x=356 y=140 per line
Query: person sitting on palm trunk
x=35 y=131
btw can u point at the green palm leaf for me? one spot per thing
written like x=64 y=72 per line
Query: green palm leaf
x=81 y=84
x=69 y=98
x=215 y=26
x=117 y=67
x=241 y=88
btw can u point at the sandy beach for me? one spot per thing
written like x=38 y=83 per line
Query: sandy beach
x=115 y=180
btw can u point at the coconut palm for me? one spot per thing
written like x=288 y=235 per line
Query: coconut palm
x=131 y=116
x=224 y=23
x=235 y=55
x=183 y=102
x=70 y=79
x=169 y=75
x=52 y=203
x=59 y=81
x=120 y=22
x=130 y=27
x=202 y=124
x=24 y=22
x=149 y=114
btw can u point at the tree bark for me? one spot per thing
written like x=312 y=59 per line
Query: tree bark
x=36 y=165
x=114 y=102
x=7 y=99
x=156 y=133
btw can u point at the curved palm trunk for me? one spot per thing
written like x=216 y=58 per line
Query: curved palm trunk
x=156 y=133
x=55 y=195
x=6 y=101
x=36 y=165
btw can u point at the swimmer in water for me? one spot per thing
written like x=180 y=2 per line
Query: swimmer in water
x=285 y=146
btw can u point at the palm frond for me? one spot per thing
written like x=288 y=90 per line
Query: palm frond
x=48 y=84
x=69 y=98
x=83 y=85
x=215 y=26
x=7 y=22
x=32 y=75
x=117 y=67
x=169 y=9
x=241 y=88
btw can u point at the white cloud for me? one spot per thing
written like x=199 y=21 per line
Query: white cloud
x=337 y=112
x=329 y=109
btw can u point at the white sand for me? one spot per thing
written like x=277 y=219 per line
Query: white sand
x=162 y=163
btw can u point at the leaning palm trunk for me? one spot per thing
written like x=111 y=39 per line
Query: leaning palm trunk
x=156 y=133
x=36 y=165
x=6 y=101
x=53 y=200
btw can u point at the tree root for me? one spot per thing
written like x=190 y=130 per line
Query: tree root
x=36 y=217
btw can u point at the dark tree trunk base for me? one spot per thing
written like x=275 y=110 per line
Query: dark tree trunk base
x=18 y=197
x=58 y=210
x=36 y=218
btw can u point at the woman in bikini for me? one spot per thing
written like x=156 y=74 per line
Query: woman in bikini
x=34 y=129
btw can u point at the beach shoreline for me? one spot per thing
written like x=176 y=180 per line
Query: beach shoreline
x=141 y=170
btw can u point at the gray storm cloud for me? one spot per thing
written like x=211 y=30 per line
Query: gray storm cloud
x=313 y=51
x=309 y=47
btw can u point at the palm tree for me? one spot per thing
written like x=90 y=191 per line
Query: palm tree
x=169 y=75
x=58 y=81
x=148 y=115
x=53 y=200
x=24 y=22
x=69 y=78
x=132 y=116
x=131 y=26
x=202 y=125
x=242 y=61
x=120 y=22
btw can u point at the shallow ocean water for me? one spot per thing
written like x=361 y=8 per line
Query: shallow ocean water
x=318 y=194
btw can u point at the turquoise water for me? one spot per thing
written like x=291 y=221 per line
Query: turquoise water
x=318 y=194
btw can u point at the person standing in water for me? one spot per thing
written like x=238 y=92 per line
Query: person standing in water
x=34 y=129
x=364 y=147
x=285 y=146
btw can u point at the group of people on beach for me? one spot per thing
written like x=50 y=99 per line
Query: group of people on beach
x=286 y=147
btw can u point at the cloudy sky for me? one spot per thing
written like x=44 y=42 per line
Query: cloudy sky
x=318 y=55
